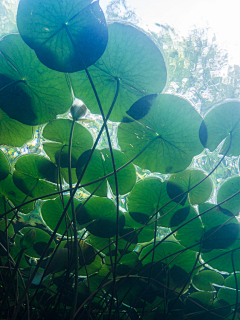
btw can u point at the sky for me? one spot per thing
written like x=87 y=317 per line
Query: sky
x=222 y=16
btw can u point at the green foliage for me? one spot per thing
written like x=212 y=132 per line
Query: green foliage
x=122 y=230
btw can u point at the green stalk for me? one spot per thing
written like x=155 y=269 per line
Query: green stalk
x=75 y=242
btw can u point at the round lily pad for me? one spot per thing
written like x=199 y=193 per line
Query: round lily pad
x=58 y=132
x=132 y=59
x=227 y=189
x=52 y=210
x=220 y=230
x=29 y=92
x=35 y=175
x=220 y=123
x=67 y=37
x=169 y=132
x=147 y=197
x=206 y=279
x=39 y=245
x=99 y=216
x=181 y=182
x=101 y=165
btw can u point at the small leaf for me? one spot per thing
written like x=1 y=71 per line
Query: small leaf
x=101 y=165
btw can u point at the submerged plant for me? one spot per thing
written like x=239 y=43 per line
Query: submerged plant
x=159 y=256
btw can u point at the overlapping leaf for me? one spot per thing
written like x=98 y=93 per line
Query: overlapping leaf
x=178 y=184
x=149 y=196
x=99 y=216
x=29 y=92
x=101 y=165
x=39 y=245
x=131 y=59
x=227 y=190
x=169 y=132
x=9 y=192
x=67 y=36
x=35 y=175
x=52 y=211
x=222 y=122
x=12 y=132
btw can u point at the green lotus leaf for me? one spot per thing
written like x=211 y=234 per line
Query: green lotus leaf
x=12 y=132
x=67 y=37
x=9 y=192
x=147 y=197
x=132 y=59
x=217 y=126
x=169 y=132
x=58 y=131
x=35 y=175
x=39 y=245
x=4 y=166
x=52 y=210
x=99 y=216
x=227 y=189
x=101 y=165
x=220 y=231
x=181 y=182
x=206 y=279
x=189 y=233
x=29 y=92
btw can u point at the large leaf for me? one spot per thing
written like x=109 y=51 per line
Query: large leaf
x=34 y=175
x=58 y=131
x=218 y=124
x=29 y=92
x=99 y=216
x=12 y=132
x=182 y=182
x=228 y=189
x=10 y=192
x=4 y=166
x=67 y=36
x=52 y=211
x=131 y=58
x=101 y=165
x=171 y=128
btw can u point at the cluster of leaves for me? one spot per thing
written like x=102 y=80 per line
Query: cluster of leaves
x=91 y=259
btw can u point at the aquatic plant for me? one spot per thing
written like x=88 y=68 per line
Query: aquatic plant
x=160 y=256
